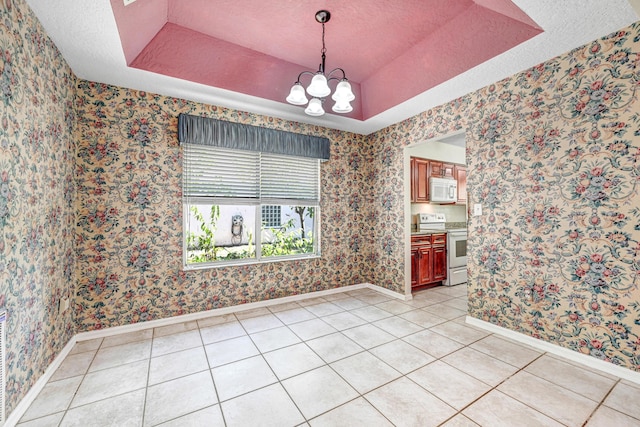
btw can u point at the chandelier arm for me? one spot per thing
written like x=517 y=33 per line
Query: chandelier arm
x=344 y=75
x=303 y=73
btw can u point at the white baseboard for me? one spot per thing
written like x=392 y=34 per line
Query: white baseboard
x=27 y=400
x=24 y=404
x=134 y=327
x=583 y=359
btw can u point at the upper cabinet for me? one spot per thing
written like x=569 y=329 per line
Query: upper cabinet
x=460 y=174
x=423 y=169
x=419 y=180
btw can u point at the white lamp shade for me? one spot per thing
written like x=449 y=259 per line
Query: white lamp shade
x=314 y=108
x=297 y=96
x=342 y=107
x=319 y=87
x=343 y=92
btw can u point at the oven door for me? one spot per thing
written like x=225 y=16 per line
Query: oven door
x=457 y=248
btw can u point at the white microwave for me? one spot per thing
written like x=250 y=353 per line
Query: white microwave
x=443 y=190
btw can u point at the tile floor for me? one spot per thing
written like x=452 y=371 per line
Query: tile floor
x=358 y=358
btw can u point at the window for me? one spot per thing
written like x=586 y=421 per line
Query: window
x=271 y=216
x=243 y=206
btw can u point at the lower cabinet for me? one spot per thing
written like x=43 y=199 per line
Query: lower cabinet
x=428 y=259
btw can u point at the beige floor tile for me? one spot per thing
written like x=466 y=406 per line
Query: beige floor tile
x=624 y=398
x=444 y=311
x=73 y=365
x=364 y=371
x=179 y=364
x=121 y=354
x=108 y=412
x=459 y=303
x=343 y=320
x=459 y=421
x=350 y=303
x=398 y=327
x=371 y=313
x=368 y=336
x=449 y=384
x=47 y=421
x=174 y=329
x=452 y=291
x=241 y=377
x=231 y=350
x=111 y=382
x=395 y=307
x=373 y=298
x=216 y=320
x=221 y=332
x=274 y=339
x=430 y=297
x=552 y=400
x=209 y=417
x=295 y=315
x=460 y=332
x=420 y=302
x=318 y=391
x=130 y=337
x=88 y=345
x=506 y=350
x=246 y=314
x=324 y=309
x=334 y=347
x=311 y=329
x=481 y=366
x=311 y=301
x=432 y=343
x=607 y=417
x=422 y=318
x=284 y=307
x=499 y=410
x=179 y=397
x=581 y=381
x=271 y=405
x=335 y=296
x=356 y=413
x=405 y=403
x=261 y=323
x=54 y=397
x=176 y=342
x=296 y=359
x=402 y=356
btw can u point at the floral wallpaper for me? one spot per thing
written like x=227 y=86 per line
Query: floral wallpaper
x=37 y=197
x=90 y=203
x=129 y=232
x=554 y=157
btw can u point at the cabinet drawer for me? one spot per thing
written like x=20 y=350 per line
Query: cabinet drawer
x=421 y=240
x=439 y=239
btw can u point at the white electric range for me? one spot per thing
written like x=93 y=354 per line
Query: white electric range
x=456 y=245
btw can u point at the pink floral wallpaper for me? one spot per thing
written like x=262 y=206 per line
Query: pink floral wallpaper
x=554 y=157
x=37 y=197
x=129 y=232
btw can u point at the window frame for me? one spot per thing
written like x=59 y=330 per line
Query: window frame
x=187 y=201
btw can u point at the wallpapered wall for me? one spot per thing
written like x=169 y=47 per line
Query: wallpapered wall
x=37 y=192
x=554 y=158
x=129 y=232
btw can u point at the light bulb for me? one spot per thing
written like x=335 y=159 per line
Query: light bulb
x=297 y=95
x=319 y=87
x=314 y=108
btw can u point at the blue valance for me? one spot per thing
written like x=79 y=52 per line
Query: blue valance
x=238 y=136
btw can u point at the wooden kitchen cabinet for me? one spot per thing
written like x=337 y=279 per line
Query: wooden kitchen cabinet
x=419 y=180
x=460 y=174
x=440 y=169
x=428 y=259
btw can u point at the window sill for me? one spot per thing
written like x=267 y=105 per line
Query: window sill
x=237 y=263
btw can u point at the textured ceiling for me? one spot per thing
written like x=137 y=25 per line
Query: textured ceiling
x=402 y=57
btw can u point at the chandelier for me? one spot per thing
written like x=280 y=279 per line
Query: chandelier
x=319 y=88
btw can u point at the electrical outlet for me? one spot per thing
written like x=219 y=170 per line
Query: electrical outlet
x=477 y=209
x=65 y=304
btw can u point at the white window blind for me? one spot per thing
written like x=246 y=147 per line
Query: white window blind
x=243 y=174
